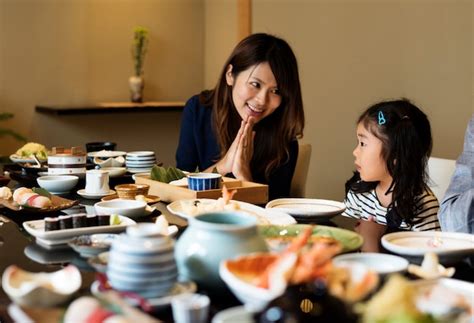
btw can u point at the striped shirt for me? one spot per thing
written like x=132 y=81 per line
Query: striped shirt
x=363 y=205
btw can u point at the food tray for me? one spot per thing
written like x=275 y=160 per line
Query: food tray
x=250 y=192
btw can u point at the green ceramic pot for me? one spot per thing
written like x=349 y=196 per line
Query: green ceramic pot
x=211 y=238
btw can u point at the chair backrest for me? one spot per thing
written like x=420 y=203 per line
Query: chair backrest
x=298 y=183
x=440 y=171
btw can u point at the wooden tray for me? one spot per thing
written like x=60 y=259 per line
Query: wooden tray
x=58 y=202
x=250 y=192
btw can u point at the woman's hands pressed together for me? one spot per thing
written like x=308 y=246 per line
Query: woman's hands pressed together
x=238 y=157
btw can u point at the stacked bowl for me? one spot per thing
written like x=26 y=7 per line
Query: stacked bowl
x=142 y=261
x=140 y=161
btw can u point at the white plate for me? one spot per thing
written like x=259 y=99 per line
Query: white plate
x=36 y=229
x=158 y=302
x=382 y=264
x=18 y=159
x=272 y=216
x=106 y=153
x=94 y=196
x=233 y=315
x=308 y=208
x=413 y=243
x=137 y=159
x=140 y=154
x=115 y=171
x=140 y=165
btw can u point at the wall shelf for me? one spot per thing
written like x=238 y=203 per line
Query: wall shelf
x=111 y=107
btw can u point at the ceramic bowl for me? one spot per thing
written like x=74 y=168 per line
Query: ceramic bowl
x=204 y=181
x=109 y=162
x=254 y=298
x=101 y=145
x=126 y=191
x=130 y=208
x=142 y=261
x=41 y=289
x=58 y=184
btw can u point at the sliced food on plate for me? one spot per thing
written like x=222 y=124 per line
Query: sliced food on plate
x=28 y=152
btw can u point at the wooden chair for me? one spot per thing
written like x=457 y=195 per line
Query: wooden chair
x=298 y=183
x=440 y=171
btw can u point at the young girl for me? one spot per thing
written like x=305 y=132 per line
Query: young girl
x=248 y=125
x=389 y=191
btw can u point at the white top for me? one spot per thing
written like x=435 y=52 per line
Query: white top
x=363 y=205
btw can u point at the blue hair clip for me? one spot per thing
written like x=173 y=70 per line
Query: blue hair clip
x=381 y=118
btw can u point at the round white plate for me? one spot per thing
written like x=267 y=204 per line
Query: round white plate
x=382 y=264
x=233 y=315
x=140 y=154
x=115 y=171
x=274 y=217
x=413 y=243
x=18 y=159
x=140 y=164
x=307 y=208
x=106 y=153
x=158 y=302
x=94 y=196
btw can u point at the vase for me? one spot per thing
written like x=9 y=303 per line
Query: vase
x=211 y=238
x=136 y=84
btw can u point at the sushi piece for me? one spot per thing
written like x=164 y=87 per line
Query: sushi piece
x=38 y=201
x=104 y=219
x=51 y=224
x=92 y=220
x=79 y=220
x=65 y=222
x=18 y=193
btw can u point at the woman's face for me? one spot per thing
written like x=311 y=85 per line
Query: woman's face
x=254 y=91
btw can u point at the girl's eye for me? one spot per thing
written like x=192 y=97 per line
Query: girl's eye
x=362 y=144
x=255 y=84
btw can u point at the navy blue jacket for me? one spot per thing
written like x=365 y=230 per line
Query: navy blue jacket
x=198 y=148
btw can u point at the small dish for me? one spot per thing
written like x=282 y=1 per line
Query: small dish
x=90 y=245
x=383 y=264
x=232 y=315
x=41 y=289
x=58 y=184
x=94 y=196
x=129 y=208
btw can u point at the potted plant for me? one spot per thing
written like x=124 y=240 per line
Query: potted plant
x=139 y=48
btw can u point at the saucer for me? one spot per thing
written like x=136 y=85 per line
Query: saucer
x=94 y=196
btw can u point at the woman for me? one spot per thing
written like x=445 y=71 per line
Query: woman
x=249 y=124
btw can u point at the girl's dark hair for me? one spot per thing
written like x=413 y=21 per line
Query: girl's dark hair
x=286 y=123
x=406 y=136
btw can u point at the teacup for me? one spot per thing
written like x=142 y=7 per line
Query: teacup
x=204 y=181
x=97 y=181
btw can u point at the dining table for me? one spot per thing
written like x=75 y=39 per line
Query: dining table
x=19 y=248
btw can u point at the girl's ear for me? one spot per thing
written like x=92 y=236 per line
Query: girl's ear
x=228 y=76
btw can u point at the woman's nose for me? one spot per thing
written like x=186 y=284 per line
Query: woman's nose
x=262 y=97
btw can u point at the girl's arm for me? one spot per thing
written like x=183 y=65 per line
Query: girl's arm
x=372 y=233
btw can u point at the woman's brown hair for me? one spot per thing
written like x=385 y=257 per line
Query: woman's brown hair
x=286 y=123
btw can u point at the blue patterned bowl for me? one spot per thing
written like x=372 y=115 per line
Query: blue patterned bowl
x=204 y=181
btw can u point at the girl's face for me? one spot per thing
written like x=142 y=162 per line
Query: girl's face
x=254 y=91
x=368 y=157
